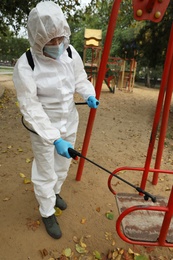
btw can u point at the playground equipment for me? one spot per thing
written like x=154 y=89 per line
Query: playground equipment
x=142 y=222
x=143 y=226
x=120 y=73
x=112 y=75
x=127 y=76
x=116 y=72
x=157 y=224
x=93 y=50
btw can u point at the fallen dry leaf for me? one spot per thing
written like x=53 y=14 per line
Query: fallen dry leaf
x=5 y=151
x=108 y=235
x=121 y=251
x=88 y=236
x=109 y=215
x=75 y=239
x=115 y=184
x=131 y=252
x=67 y=252
x=127 y=256
x=81 y=243
x=80 y=249
x=62 y=257
x=32 y=224
x=27 y=181
x=22 y=175
x=83 y=221
x=17 y=103
x=28 y=160
x=149 y=249
x=97 y=254
x=141 y=257
x=6 y=199
x=43 y=253
x=58 y=211
x=113 y=254
x=98 y=209
x=113 y=243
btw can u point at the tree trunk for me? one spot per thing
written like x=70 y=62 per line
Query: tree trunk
x=147 y=79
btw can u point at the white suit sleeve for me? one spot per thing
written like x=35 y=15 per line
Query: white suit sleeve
x=82 y=85
x=30 y=106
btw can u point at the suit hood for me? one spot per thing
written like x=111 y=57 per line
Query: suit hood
x=45 y=22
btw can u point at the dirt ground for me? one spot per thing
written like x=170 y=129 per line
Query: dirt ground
x=119 y=138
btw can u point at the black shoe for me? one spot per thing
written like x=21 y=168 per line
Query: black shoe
x=52 y=227
x=60 y=203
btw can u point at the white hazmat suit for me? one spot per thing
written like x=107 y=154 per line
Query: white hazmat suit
x=45 y=96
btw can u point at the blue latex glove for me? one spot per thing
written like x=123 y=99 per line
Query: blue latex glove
x=92 y=102
x=62 y=147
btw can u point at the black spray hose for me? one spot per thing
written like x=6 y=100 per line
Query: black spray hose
x=84 y=103
x=80 y=103
x=22 y=119
x=74 y=154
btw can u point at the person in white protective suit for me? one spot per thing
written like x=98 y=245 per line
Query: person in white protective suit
x=45 y=96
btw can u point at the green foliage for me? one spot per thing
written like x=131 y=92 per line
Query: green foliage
x=144 y=40
x=141 y=257
x=14 y=12
x=11 y=47
x=153 y=40
x=94 y=16
x=14 y=15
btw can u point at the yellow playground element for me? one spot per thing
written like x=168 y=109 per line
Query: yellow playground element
x=120 y=72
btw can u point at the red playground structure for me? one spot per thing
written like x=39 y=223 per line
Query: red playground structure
x=141 y=222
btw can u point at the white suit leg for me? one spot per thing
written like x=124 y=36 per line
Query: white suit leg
x=62 y=164
x=49 y=170
x=44 y=177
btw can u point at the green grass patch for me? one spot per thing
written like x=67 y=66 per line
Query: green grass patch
x=5 y=70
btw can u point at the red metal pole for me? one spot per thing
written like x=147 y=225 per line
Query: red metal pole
x=164 y=122
x=158 y=109
x=100 y=78
x=166 y=222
